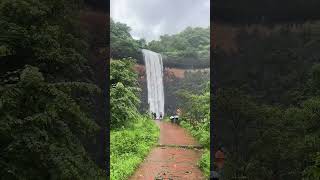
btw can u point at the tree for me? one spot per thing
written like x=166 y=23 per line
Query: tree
x=189 y=48
x=123 y=93
x=122 y=43
x=44 y=140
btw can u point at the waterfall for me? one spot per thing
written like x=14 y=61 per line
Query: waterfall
x=154 y=72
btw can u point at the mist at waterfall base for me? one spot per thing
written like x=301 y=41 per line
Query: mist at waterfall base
x=154 y=73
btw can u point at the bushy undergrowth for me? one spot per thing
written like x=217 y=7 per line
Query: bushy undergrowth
x=129 y=146
x=204 y=163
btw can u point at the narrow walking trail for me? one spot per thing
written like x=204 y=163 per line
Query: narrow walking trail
x=174 y=158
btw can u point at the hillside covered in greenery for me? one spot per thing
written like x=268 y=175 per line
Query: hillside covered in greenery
x=187 y=49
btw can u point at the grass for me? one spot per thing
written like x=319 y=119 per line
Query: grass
x=202 y=133
x=204 y=163
x=129 y=147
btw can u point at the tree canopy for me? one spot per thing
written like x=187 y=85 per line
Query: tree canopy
x=124 y=90
x=189 y=48
x=122 y=43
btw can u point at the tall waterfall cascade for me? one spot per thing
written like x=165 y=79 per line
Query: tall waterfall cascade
x=154 y=72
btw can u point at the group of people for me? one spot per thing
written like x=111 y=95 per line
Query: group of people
x=154 y=115
x=174 y=119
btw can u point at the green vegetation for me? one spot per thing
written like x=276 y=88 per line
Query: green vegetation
x=204 y=162
x=267 y=106
x=193 y=82
x=132 y=135
x=123 y=45
x=189 y=48
x=196 y=119
x=129 y=147
x=47 y=92
x=123 y=93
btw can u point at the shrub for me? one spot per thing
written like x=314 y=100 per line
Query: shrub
x=125 y=153
x=124 y=93
x=204 y=163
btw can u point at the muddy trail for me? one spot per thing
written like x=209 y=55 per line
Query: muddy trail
x=175 y=157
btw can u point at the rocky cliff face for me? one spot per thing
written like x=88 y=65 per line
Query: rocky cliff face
x=170 y=75
x=168 y=72
x=172 y=81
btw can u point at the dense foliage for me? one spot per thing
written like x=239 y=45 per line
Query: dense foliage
x=267 y=106
x=123 y=93
x=189 y=48
x=129 y=147
x=132 y=134
x=204 y=163
x=194 y=81
x=46 y=92
x=122 y=43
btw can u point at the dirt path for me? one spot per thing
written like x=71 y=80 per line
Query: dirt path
x=174 y=158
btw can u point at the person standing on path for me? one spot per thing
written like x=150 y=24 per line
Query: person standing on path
x=178 y=112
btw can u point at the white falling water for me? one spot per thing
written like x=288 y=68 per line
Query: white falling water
x=154 y=71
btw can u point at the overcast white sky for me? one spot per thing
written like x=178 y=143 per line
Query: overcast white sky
x=151 y=18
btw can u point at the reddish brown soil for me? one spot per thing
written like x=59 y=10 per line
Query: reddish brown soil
x=174 y=163
x=178 y=73
x=168 y=72
x=172 y=134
